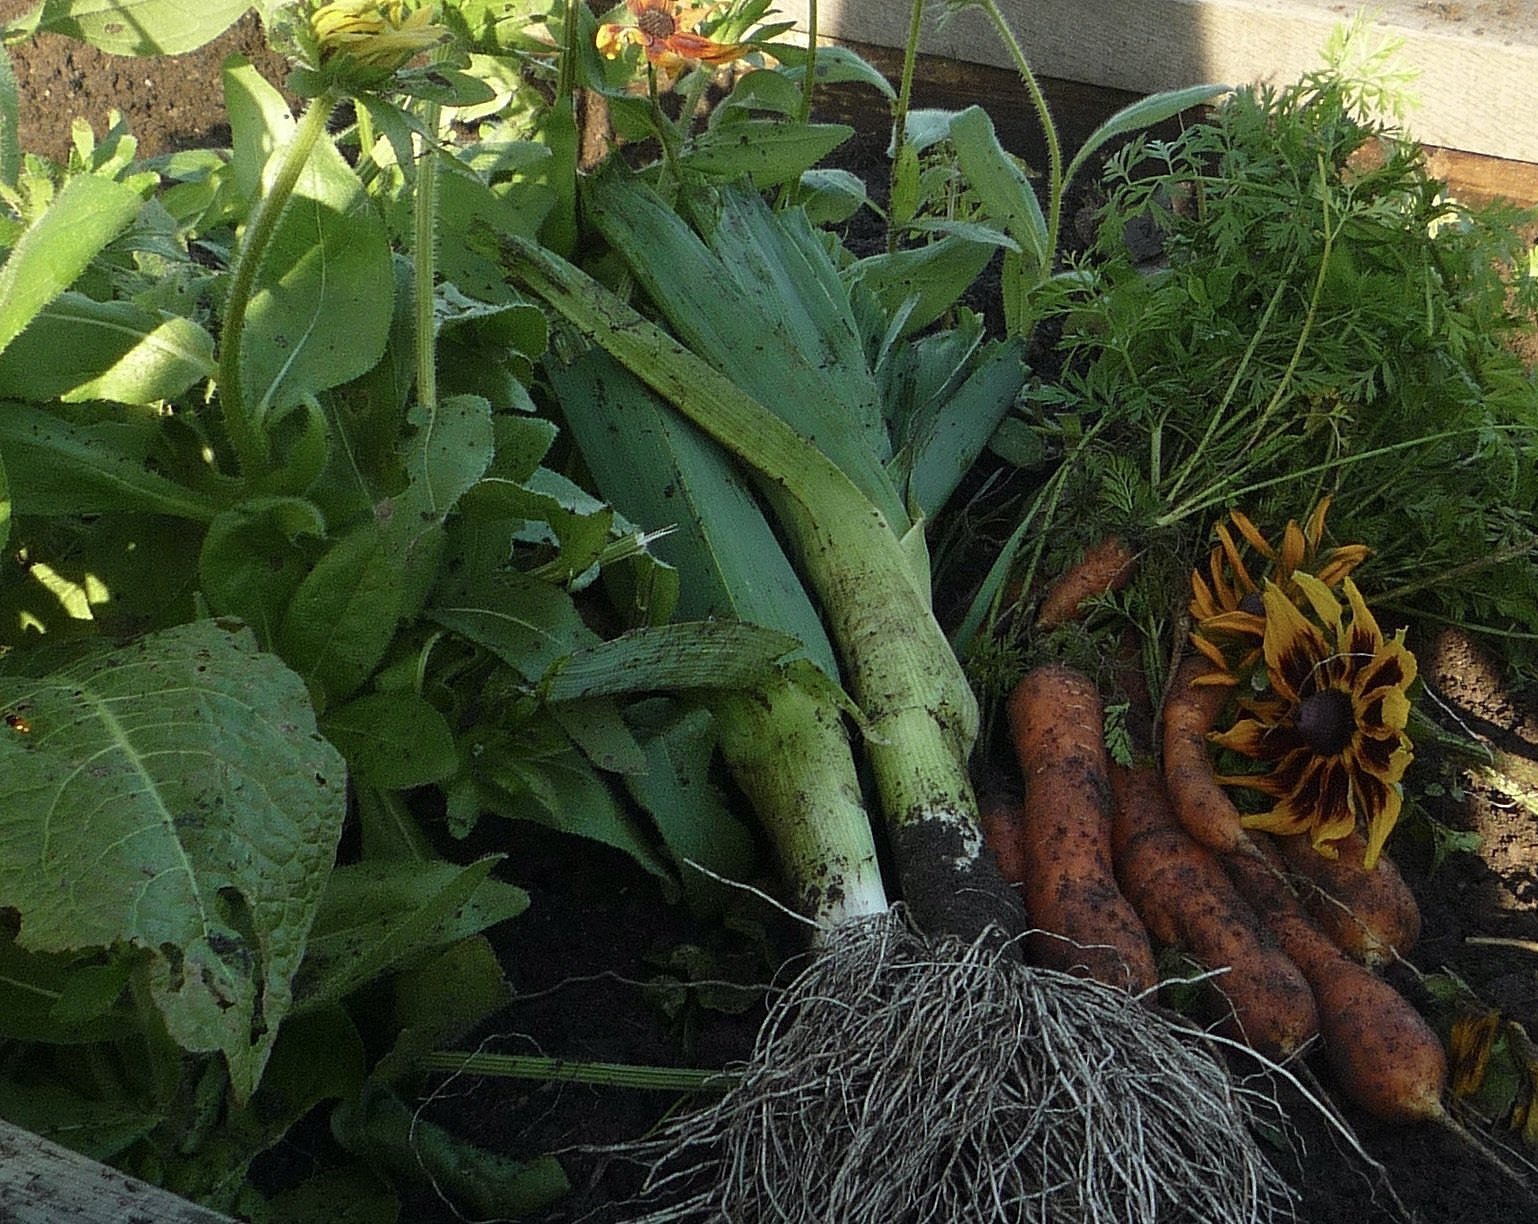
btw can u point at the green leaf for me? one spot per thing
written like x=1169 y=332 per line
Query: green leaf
x=321 y=307
x=692 y=654
x=59 y=998
x=440 y=1000
x=379 y=917
x=173 y=796
x=80 y=349
x=835 y=65
x=55 y=468
x=1000 y=184
x=143 y=27
x=252 y=560
x=393 y=740
x=1145 y=112
x=87 y=214
x=528 y=624
x=343 y=614
x=660 y=471
x=933 y=277
x=676 y=790
x=767 y=151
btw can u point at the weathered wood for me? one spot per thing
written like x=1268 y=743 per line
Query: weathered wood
x=43 y=1183
x=1477 y=59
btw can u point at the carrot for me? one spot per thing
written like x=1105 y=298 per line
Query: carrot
x=1385 y=1056
x=1082 y=921
x=1371 y=915
x=1002 y=816
x=1105 y=567
x=1202 y=806
x=1184 y=897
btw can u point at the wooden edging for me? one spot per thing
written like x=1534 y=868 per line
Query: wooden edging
x=1476 y=60
x=43 y=1183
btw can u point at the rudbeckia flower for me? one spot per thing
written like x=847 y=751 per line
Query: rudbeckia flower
x=376 y=35
x=666 y=32
x=1331 y=725
x=1226 y=605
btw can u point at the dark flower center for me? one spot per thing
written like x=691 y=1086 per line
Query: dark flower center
x=656 y=24
x=1326 y=721
x=1253 y=604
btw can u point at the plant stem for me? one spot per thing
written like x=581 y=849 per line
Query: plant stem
x=243 y=427
x=424 y=237
x=1043 y=116
x=904 y=101
x=558 y=1070
x=809 y=82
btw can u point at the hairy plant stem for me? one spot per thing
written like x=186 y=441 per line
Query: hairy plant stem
x=242 y=425
x=424 y=237
x=905 y=98
x=809 y=82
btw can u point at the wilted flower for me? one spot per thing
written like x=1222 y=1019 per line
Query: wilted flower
x=1331 y=725
x=1226 y=604
x=378 y=36
x=666 y=32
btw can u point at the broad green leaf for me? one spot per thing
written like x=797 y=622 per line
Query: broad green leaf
x=1000 y=184
x=87 y=214
x=173 y=796
x=442 y=999
x=93 y=1127
x=393 y=740
x=690 y=654
x=55 y=467
x=1145 y=112
x=552 y=783
x=598 y=727
x=831 y=197
x=835 y=65
x=320 y=312
x=343 y=614
x=41 y=997
x=767 y=151
x=696 y=824
x=252 y=560
x=143 y=27
x=379 y=917
x=660 y=471
x=530 y=625
x=934 y=277
x=80 y=349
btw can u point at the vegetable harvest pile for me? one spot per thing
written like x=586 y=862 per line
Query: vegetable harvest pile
x=513 y=435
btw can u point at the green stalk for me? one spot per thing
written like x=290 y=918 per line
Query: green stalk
x=809 y=82
x=919 y=711
x=244 y=429
x=424 y=237
x=559 y=1071
x=905 y=97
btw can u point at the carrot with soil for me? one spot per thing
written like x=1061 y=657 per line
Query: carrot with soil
x=1370 y=913
x=1081 y=920
x=1106 y=567
x=1202 y=806
x=1184 y=897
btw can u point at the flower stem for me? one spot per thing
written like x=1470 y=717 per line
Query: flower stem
x=904 y=100
x=424 y=238
x=809 y=82
x=242 y=426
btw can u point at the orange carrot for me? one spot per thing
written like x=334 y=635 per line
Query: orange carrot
x=1184 y=897
x=1105 y=567
x=1002 y=816
x=1202 y=806
x=1083 y=922
x=1371 y=915
x=1385 y=1056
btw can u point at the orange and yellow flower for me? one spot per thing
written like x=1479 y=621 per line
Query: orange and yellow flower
x=377 y=36
x=1226 y=604
x=667 y=34
x=1331 y=725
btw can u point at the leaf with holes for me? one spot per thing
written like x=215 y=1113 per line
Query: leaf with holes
x=172 y=798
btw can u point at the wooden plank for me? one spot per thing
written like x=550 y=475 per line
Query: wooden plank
x=43 y=1183
x=1477 y=59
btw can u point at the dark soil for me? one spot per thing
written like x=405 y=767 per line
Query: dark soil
x=599 y=960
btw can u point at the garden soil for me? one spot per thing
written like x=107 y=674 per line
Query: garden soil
x=608 y=967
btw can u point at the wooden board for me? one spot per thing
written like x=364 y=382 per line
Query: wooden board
x=1477 y=59
x=43 y=1183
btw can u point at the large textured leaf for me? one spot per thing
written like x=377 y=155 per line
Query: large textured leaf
x=172 y=796
x=324 y=295
x=143 y=27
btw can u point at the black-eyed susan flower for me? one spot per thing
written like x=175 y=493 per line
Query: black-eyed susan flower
x=376 y=37
x=1331 y=724
x=1226 y=604
x=667 y=34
